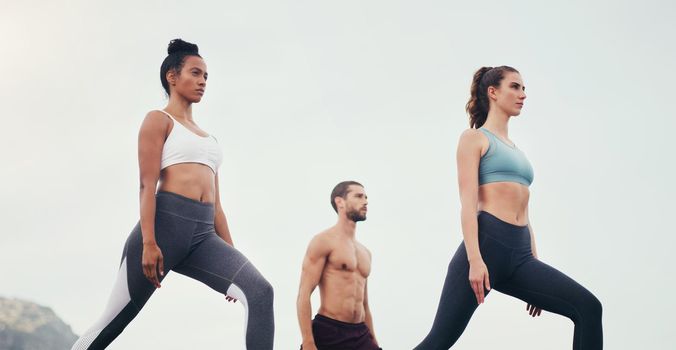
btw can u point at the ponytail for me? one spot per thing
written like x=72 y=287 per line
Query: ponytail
x=477 y=107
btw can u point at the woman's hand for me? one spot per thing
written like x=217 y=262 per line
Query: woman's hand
x=533 y=310
x=478 y=278
x=152 y=262
x=230 y=299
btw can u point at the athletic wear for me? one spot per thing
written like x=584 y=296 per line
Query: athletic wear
x=330 y=334
x=513 y=270
x=503 y=162
x=184 y=146
x=184 y=230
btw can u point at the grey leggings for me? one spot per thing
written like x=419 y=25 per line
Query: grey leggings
x=184 y=231
x=513 y=270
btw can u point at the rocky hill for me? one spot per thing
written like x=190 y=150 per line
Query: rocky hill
x=28 y=326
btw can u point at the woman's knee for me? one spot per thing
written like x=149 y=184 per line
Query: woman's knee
x=260 y=290
x=255 y=286
x=590 y=309
x=265 y=290
x=594 y=307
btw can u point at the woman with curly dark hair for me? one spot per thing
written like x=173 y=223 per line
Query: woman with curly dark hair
x=182 y=226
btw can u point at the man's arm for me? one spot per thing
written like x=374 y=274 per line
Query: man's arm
x=368 y=319
x=313 y=265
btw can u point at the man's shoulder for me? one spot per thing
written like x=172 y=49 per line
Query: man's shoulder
x=323 y=240
x=329 y=234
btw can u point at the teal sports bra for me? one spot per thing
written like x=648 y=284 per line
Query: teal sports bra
x=503 y=162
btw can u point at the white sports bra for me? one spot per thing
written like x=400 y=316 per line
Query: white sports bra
x=184 y=146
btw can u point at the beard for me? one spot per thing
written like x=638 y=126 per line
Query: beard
x=355 y=215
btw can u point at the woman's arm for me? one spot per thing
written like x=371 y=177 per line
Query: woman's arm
x=220 y=222
x=150 y=142
x=468 y=158
x=532 y=236
x=532 y=309
x=221 y=225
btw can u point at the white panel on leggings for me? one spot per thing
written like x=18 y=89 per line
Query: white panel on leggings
x=85 y=341
x=119 y=298
x=238 y=294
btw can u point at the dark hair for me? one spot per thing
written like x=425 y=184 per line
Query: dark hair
x=341 y=190
x=178 y=50
x=477 y=106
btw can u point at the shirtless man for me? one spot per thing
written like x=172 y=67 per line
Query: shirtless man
x=340 y=266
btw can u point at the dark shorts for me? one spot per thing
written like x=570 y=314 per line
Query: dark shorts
x=330 y=334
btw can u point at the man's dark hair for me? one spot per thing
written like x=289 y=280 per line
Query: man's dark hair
x=341 y=191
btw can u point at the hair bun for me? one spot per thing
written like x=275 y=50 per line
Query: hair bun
x=179 y=45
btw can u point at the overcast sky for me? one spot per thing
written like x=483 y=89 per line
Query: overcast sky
x=304 y=94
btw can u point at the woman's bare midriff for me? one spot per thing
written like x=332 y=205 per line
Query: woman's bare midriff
x=508 y=201
x=193 y=180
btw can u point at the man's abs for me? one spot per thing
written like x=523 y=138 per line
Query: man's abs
x=342 y=296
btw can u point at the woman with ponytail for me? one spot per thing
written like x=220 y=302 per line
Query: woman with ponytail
x=498 y=249
x=182 y=226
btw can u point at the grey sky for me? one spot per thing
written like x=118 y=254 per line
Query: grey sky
x=304 y=94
